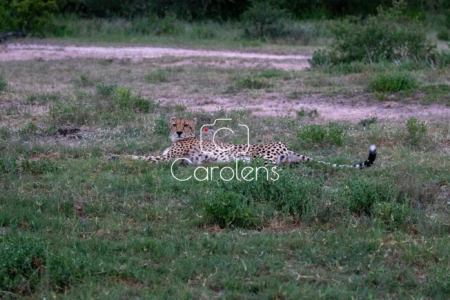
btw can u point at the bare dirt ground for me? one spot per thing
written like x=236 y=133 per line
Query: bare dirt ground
x=341 y=107
x=48 y=52
x=329 y=108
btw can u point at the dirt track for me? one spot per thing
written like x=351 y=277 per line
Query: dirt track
x=48 y=52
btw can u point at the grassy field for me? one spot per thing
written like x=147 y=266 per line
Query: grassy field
x=75 y=225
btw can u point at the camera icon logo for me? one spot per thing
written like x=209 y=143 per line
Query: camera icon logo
x=242 y=128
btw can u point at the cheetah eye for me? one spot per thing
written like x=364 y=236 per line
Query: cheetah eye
x=174 y=125
x=186 y=125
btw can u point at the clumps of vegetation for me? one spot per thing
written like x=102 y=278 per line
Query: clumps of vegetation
x=106 y=89
x=157 y=76
x=303 y=113
x=251 y=83
x=436 y=93
x=3 y=84
x=443 y=34
x=229 y=208
x=393 y=82
x=311 y=135
x=12 y=165
x=71 y=112
x=44 y=97
x=274 y=73
x=28 y=15
x=377 y=199
x=389 y=35
x=161 y=125
x=262 y=20
x=416 y=130
x=368 y=120
x=126 y=99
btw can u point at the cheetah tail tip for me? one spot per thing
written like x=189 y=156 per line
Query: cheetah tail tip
x=373 y=149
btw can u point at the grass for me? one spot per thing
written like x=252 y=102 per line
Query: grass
x=178 y=33
x=75 y=225
x=393 y=82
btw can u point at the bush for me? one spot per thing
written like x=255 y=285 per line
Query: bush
x=262 y=20
x=227 y=208
x=388 y=35
x=106 y=90
x=363 y=194
x=319 y=135
x=392 y=82
x=28 y=15
x=3 y=84
x=124 y=98
x=157 y=76
x=416 y=130
x=443 y=34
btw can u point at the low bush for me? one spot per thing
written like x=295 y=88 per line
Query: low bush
x=226 y=208
x=28 y=15
x=443 y=34
x=393 y=82
x=416 y=130
x=125 y=99
x=388 y=35
x=157 y=76
x=106 y=90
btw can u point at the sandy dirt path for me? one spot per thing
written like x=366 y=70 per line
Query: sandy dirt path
x=49 y=52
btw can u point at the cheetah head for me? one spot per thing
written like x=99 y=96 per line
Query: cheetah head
x=182 y=128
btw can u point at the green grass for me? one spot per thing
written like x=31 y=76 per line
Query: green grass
x=393 y=82
x=75 y=225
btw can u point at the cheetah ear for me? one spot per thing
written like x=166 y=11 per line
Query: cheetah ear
x=172 y=119
x=195 y=120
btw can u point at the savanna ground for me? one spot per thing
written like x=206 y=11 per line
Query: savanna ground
x=75 y=225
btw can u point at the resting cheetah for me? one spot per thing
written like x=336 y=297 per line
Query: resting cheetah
x=187 y=148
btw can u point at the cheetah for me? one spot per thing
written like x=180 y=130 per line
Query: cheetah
x=190 y=150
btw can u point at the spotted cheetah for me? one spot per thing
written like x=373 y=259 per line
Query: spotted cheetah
x=190 y=150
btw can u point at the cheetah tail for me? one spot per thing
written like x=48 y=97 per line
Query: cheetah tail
x=367 y=163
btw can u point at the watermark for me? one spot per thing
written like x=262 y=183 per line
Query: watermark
x=227 y=173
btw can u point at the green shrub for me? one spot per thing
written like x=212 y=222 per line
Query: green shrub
x=318 y=134
x=227 y=208
x=157 y=76
x=443 y=34
x=70 y=112
x=106 y=90
x=3 y=84
x=262 y=20
x=416 y=130
x=388 y=35
x=125 y=98
x=28 y=15
x=392 y=82
x=363 y=194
